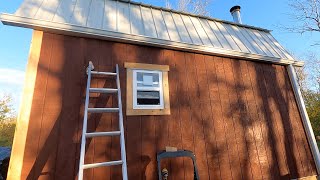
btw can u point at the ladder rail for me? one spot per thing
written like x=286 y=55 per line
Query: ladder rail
x=85 y=123
x=122 y=141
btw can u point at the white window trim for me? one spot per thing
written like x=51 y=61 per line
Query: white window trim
x=136 y=88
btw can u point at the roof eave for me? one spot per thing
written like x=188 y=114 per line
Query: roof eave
x=74 y=30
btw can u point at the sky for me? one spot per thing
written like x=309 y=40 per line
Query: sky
x=271 y=14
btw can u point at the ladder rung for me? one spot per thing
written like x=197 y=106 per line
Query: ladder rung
x=103 y=73
x=95 y=165
x=97 y=134
x=102 y=110
x=103 y=90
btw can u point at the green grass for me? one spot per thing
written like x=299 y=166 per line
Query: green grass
x=318 y=142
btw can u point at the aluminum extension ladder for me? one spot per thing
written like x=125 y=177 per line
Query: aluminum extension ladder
x=120 y=133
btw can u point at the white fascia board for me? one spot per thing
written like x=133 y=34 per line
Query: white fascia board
x=74 y=30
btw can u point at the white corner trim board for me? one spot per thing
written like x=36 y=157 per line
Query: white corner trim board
x=304 y=116
x=74 y=30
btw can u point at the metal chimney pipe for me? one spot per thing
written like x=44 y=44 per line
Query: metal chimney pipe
x=235 y=12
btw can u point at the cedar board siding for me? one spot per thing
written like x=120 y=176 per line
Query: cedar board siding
x=239 y=117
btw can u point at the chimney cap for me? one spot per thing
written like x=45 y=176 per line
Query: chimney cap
x=234 y=8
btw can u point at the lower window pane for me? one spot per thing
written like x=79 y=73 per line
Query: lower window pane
x=148 y=98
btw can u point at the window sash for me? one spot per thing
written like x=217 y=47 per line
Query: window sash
x=137 y=88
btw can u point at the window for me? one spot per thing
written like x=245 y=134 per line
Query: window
x=147 y=89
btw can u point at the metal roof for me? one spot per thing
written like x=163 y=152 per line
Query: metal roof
x=140 y=23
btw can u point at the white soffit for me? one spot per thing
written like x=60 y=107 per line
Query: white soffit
x=140 y=23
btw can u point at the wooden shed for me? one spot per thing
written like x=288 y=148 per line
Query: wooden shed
x=223 y=90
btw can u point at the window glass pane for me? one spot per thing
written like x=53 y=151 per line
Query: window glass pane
x=146 y=79
x=148 y=95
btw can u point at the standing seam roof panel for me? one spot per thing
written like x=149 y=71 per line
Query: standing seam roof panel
x=236 y=39
x=47 y=10
x=266 y=44
x=160 y=25
x=29 y=8
x=212 y=37
x=275 y=42
x=63 y=13
x=150 y=29
x=95 y=17
x=223 y=41
x=270 y=44
x=173 y=33
x=123 y=18
x=201 y=32
x=183 y=32
x=252 y=41
x=258 y=42
x=136 y=20
x=110 y=16
x=81 y=11
x=192 y=30
x=227 y=36
x=244 y=40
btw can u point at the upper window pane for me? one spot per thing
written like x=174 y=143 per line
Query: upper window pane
x=147 y=79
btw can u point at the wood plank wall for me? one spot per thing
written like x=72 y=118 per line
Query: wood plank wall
x=239 y=117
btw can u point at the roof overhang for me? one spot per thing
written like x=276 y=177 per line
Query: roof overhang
x=74 y=30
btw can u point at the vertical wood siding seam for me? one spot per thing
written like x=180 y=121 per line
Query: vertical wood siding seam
x=256 y=104
x=265 y=74
x=232 y=117
x=299 y=119
x=250 y=117
x=229 y=103
x=261 y=87
x=288 y=146
x=188 y=97
x=224 y=126
x=206 y=145
x=294 y=138
x=44 y=101
x=212 y=119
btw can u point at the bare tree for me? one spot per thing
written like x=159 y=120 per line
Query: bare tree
x=307 y=15
x=199 y=7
